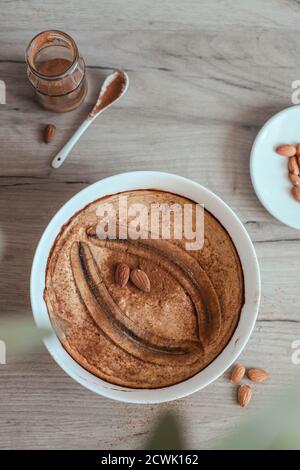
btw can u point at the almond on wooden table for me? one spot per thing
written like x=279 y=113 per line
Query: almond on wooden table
x=237 y=373
x=140 y=280
x=293 y=166
x=257 y=375
x=49 y=133
x=286 y=150
x=244 y=395
x=122 y=274
x=298 y=149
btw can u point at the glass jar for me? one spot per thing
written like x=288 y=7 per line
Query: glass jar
x=56 y=71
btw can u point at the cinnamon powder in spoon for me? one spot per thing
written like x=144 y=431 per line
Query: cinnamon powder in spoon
x=112 y=91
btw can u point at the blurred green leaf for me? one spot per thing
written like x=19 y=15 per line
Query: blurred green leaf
x=21 y=334
x=167 y=434
x=277 y=426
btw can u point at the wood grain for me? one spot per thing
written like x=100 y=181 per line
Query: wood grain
x=204 y=76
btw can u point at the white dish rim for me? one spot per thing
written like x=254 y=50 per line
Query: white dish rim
x=178 y=185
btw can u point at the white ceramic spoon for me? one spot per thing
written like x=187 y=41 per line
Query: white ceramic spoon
x=114 y=86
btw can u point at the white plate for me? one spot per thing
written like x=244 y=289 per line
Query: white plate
x=191 y=190
x=269 y=171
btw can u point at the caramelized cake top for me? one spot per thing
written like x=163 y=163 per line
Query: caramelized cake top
x=134 y=338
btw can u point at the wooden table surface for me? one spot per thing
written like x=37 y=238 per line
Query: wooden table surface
x=205 y=75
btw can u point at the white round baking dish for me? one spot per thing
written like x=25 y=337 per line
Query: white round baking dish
x=178 y=185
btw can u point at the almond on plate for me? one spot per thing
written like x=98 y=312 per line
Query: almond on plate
x=293 y=166
x=296 y=193
x=294 y=179
x=286 y=150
